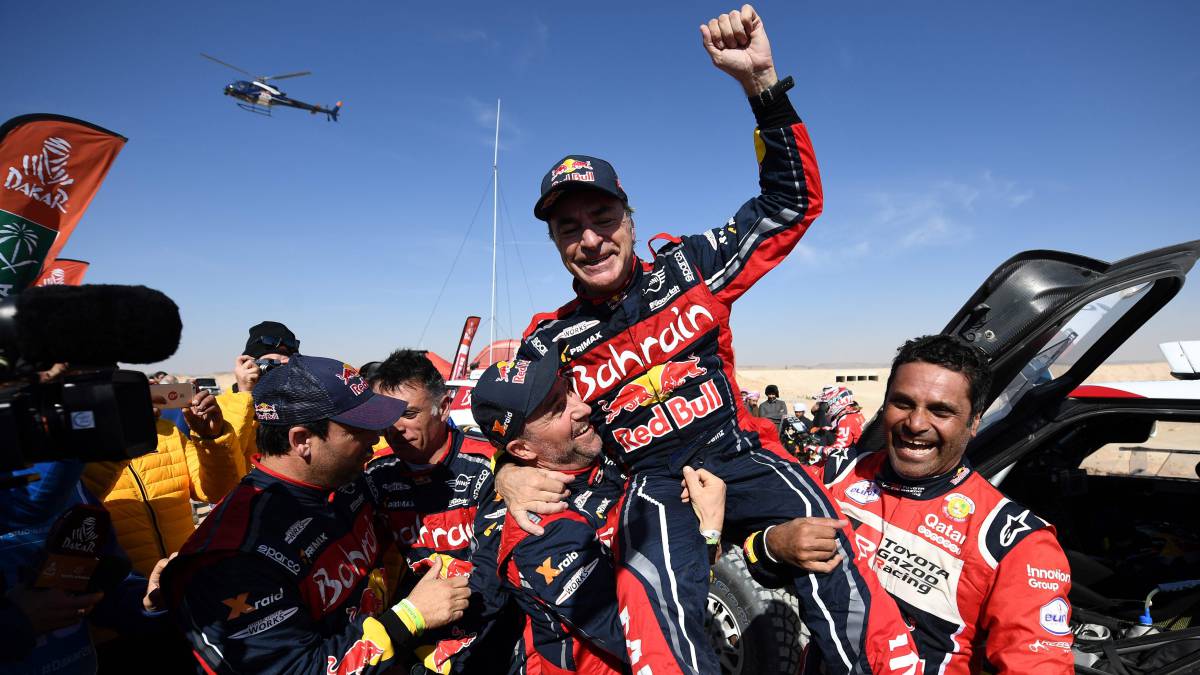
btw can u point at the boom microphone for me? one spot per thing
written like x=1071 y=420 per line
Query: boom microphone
x=92 y=325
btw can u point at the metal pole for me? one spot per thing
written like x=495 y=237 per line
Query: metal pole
x=495 y=202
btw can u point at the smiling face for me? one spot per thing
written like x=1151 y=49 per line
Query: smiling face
x=594 y=236
x=559 y=436
x=421 y=431
x=928 y=419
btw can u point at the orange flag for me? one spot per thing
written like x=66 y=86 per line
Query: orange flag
x=62 y=272
x=51 y=167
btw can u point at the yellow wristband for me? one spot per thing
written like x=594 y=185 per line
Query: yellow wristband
x=410 y=616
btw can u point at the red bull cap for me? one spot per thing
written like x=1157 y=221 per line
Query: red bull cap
x=574 y=172
x=311 y=388
x=508 y=393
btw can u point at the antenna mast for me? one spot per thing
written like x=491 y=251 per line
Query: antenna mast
x=495 y=202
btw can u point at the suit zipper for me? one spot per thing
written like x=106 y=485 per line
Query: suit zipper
x=162 y=547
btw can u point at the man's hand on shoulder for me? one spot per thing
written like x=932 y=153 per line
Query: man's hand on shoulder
x=528 y=489
x=738 y=45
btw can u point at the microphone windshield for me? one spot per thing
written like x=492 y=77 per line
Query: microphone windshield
x=96 y=324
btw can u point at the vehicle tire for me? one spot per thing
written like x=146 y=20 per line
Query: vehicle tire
x=755 y=631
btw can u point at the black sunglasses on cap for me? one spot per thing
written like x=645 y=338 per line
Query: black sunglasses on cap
x=276 y=342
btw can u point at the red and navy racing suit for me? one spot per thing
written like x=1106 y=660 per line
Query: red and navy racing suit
x=846 y=429
x=976 y=575
x=655 y=362
x=432 y=509
x=565 y=582
x=286 y=577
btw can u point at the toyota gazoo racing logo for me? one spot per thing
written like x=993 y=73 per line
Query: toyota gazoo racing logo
x=350 y=377
x=656 y=341
x=653 y=387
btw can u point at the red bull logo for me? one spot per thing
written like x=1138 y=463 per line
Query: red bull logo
x=265 y=411
x=349 y=372
x=361 y=654
x=570 y=166
x=652 y=387
x=678 y=410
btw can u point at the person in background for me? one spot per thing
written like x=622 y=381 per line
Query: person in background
x=150 y=497
x=286 y=575
x=750 y=400
x=774 y=407
x=269 y=345
x=838 y=426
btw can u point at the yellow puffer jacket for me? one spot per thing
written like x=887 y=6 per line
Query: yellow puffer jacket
x=150 y=496
x=238 y=409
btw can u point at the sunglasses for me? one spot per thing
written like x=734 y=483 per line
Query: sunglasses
x=276 y=342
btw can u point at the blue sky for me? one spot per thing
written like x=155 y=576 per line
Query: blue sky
x=950 y=136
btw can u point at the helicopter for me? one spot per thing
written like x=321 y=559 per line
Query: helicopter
x=257 y=96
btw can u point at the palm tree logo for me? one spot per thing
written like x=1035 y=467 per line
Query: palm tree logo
x=23 y=240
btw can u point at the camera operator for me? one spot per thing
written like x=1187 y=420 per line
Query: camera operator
x=44 y=627
x=270 y=345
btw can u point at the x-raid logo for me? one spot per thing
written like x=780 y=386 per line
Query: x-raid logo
x=43 y=176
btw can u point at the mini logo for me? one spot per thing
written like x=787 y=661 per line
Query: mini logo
x=295 y=529
x=657 y=278
x=266 y=624
x=863 y=492
x=958 y=506
x=576 y=582
x=574 y=330
x=460 y=483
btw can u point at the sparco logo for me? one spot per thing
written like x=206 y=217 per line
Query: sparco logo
x=43 y=177
x=665 y=336
x=574 y=330
x=291 y=565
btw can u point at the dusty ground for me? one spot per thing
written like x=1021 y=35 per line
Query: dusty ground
x=798 y=384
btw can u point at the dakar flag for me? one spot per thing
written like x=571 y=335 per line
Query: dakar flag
x=51 y=166
x=62 y=272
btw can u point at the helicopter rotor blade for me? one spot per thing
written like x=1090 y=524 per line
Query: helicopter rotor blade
x=284 y=77
x=227 y=65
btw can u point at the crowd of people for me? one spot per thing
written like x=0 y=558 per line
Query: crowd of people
x=357 y=529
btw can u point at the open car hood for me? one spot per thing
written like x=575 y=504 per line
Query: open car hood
x=1046 y=320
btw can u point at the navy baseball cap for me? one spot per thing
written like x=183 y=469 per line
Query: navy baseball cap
x=507 y=394
x=574 y=172
x=311 y=388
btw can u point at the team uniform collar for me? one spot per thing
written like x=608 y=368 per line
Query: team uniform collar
x=612 y=300
x=922 y=488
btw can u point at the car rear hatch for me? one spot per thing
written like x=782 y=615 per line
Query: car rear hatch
x=1046 y=320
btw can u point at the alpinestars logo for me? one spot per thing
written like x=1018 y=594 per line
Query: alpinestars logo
x=43 y=177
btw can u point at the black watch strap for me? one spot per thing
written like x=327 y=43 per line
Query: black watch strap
x=773 y=93
x=772 y=108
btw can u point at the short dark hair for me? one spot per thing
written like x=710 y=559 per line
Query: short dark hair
x=273 y=438
x=405 y=366
x=771 y=389
x=952 y=353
